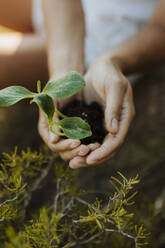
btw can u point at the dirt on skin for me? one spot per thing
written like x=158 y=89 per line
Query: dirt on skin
x=92 y=114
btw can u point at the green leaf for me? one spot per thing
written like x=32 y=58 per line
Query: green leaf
x=45 y=102
x=65 y=87
x=13 y=94
x=74 y=128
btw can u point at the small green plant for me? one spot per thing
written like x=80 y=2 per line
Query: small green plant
x=72 y=83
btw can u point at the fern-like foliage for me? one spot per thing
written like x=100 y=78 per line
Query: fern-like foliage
x=68 y=219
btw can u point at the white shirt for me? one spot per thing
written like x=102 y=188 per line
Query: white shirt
x=108 y=22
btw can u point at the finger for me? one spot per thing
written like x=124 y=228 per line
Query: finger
x=112 y=142
x=61 y=145
x=94 y=146
x=127 y=115
x=64 y=144
x=43 y=127
x=105 y=150
x=82 y=150
x=89 y=93
x=53 y=138
x=77 y=162
x=105 y=159
x=114 y=101
x=80 y=162
x=44 y=130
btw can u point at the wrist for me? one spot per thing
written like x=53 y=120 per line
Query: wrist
x=58 y=73
x=115 y=59
x=60 y=62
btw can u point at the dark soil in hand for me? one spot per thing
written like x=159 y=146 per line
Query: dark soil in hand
x=92 y=114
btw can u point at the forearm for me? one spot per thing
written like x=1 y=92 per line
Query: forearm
x=141 y=52
x=65 y=28
x=146 y=49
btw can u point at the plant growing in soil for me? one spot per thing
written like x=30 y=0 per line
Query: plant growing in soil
x=91 y=113
x=72 y=83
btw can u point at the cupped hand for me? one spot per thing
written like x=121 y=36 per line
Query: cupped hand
x=106 y=84
x=67 y=148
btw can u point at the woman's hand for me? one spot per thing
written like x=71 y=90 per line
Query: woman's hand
x=65 y=52
x=106 y=84
x=67 y=148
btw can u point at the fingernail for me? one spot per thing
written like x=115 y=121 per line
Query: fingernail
x=74 y=144
x=94 y=146
x=83 y=152
x=115 y=124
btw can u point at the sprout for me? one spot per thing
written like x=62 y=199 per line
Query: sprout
x=72 y=83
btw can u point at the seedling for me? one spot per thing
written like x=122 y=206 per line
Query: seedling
x=72 y=83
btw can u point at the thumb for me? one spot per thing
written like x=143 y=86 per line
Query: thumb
x=113 y=109
x=53 y=138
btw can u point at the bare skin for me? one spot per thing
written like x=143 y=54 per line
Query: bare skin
x=67 y=55
x=107 y=84
x=105 y=78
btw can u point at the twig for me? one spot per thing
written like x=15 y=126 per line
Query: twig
x=10 y=200
x=75 y=243
x=91 y=238
x=82 y=201
x=121 y=232
x=38 y=181
x=68 y=206
x=43 y=175
x=57 y=195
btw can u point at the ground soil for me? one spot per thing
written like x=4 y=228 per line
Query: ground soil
x=92 y=114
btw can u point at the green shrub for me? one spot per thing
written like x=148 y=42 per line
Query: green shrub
x=42 y=205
